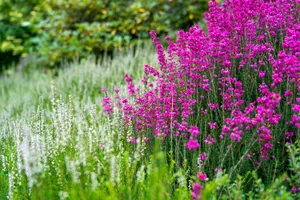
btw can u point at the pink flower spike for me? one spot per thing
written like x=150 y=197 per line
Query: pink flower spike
x=116 y=90
x=209 y=140
x=194 y=130
x=288 y=93
x=193 y=144
x=288 y=135
x=202 y=176
x=197 y=191
x=262 y=74
x=212 y=125
x=203 y=156
x=152 y=33
x=294 y=190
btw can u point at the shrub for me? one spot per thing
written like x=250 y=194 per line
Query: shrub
x=16 y=28
x=79 y=28
x=55 y=31
x=230 y=95
x=61 y=146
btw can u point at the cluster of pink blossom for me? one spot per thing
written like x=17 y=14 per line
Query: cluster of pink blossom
x=107 y=103
x=197 y=188
x=201 y=178
x=201 y=73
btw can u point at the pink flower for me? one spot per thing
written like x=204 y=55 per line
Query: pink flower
x=116 y=90
x=209 y=140
x=107 y=105
x=152 y=33
x=288 y=93
x=288 y=135
x=213 y=106
x=131 y=140
x=203 y=156
x=197 y=191
x=212 y=125
x=194 y=130
x=193 y=144
x=202 y=176
x=146 y=140
x=262 y=74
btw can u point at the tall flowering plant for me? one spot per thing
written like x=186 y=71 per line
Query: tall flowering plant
x=231 y=94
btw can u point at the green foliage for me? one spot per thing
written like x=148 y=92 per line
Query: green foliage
x=77 y=28
x=61 y=30
x=71 y=111
x=16 y=28
x=222 y=188
x=294 y=161
x=250 y=186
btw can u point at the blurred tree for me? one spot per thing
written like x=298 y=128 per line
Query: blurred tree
x=16 y=29
x=56 y=30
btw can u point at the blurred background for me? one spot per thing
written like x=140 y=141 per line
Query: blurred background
x=45 y=33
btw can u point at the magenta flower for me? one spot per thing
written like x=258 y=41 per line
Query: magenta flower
x=131 y=140
x=288 y=93
x=116 y=90
x=294 y=190
x=203 y=156
x=213 y=106
x=107 y=105
x=202 y=176
x=194 y=130
x=192 y=144
x=262 y=74
x=288 y=135
x=197 y=191
x=209 y=140
x=212 y=125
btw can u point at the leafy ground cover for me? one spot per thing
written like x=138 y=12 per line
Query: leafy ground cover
x=214 y=116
